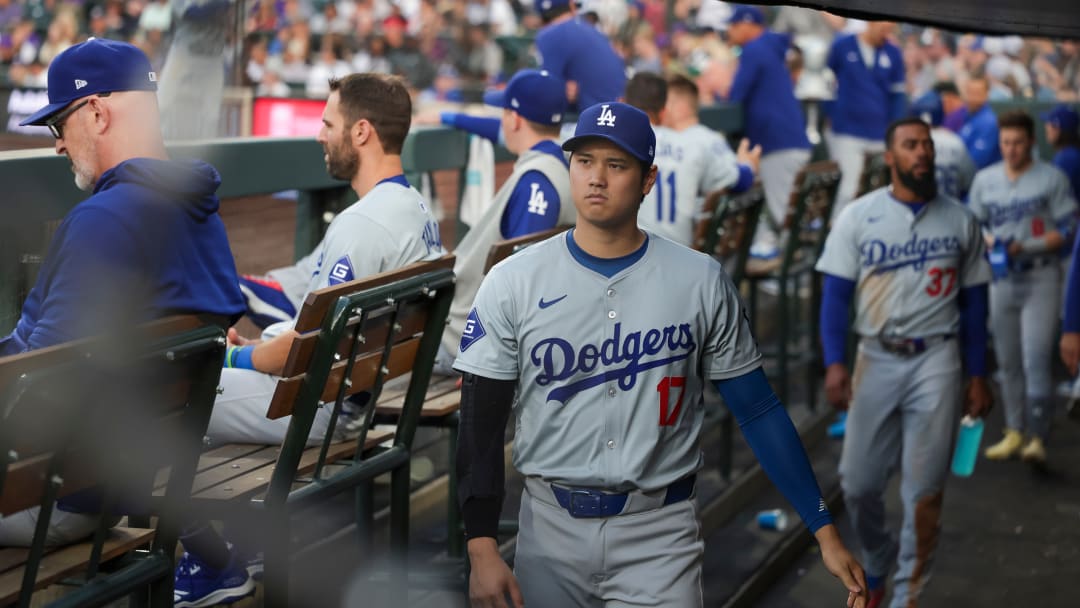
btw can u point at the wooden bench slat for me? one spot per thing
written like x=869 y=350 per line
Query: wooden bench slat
x=412 y=319
x=208 y=460
x=253 y=481
x=72 y=558
x=319 y=302
x=235 y=468
x=363 y=376
x=501 y=250
x=442 y=398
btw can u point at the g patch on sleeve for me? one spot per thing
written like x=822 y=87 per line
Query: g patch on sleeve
x=474 y=330
x=340 y=272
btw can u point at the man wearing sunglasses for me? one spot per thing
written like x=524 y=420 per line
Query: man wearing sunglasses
x=146 y=244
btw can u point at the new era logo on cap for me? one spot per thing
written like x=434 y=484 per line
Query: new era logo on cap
x=619 y=123
x=536 y=95
x=91 y=68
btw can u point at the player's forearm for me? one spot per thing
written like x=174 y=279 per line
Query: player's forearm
x=271 y=355
x=776 y=444
x=1049 y=242
x=487 y=127
x=485 y=408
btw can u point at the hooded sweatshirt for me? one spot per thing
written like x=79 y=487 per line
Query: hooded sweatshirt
x=148 y=243
x=772 y=115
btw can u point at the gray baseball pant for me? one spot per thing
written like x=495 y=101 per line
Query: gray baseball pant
x=1024 y=311
x=850 y=153
x=651 y=558
x=239 y=414
x=778 y=170
x=904 y=411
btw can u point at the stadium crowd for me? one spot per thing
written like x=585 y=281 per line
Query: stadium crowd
x=450 y=50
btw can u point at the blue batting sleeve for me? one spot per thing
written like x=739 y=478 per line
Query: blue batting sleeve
x=1072 y=293
x=746 y=179
x=484 y=126
x=533 y=206
x=897 y=105
x=772 y=436
x=974 y=307
x=836 y=298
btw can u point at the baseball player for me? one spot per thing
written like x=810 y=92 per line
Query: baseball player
x=911 y=260
x=953 y=167
x=690 y=164
x=1070 y=326
x=602 y=350
x=773 y=118
x=577 y=53
x=365 y=123
x=979 y=127
x=536 y=196
x=1027 y=208
x=870 y=81
x=1062 y=125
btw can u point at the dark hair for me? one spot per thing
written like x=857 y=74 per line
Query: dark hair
x=647 y=92
x=1017 y=119
x=682 y=84
x=942 y=87
x=902 y=122
x=554 y=13
x=380 y=99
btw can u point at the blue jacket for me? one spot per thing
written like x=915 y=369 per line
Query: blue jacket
x=574 y=50
x=148 y=243
x=772 y=115
x=980 y=135
x=867 y=99
x=1068 y=160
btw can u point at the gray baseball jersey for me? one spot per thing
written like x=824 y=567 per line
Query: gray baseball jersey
x=610 y=370
x=390 y=227
x=952 y=163
x=908 y=267
x=1029 y=207
x=690 y=164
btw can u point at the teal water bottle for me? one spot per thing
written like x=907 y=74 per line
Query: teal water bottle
x=967 y=446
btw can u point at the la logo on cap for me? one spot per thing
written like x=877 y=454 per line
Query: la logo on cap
x=79 y=83
x=607 y=117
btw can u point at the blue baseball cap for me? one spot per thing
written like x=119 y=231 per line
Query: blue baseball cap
x=1063 y=117
x=93 y=67
x=535 y=94
x=929 y=105
x=621 y=124
x=742 y=13
x=546 y=5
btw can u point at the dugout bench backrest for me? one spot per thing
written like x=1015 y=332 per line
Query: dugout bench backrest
x=100 y=416
x=353 y=338
x=729 y=231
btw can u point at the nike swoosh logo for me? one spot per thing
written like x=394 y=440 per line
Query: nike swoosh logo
x=544 y=304
x=871 y=220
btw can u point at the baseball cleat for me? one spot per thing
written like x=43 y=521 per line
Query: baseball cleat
x=1034 y=452
x=1007 y=447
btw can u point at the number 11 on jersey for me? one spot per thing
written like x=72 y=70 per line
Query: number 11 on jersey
x=660 y=188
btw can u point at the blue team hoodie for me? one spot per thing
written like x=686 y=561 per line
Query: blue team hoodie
x=149 y=242
x=771 y=114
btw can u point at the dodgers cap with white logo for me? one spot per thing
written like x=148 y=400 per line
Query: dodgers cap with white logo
x=535 y=94
x=742 y=13
x=93 y=67
x=546 y=5
x=929 y=108
x=619 y=123
x=1063 y=117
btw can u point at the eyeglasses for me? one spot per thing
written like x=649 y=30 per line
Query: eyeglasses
x=56 y=123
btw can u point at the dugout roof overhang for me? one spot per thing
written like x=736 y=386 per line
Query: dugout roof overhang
x=1043 y=18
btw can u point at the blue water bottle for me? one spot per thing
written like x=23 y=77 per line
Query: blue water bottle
x=967 y=446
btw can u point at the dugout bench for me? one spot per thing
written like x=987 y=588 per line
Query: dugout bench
x=353 y=338
x=100 y=417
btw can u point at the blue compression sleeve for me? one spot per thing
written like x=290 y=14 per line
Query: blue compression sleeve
x=836 y=298
x=746 y=179
x=1072 y=292
x=486 y=127
x=768 y=429
x=974 y=304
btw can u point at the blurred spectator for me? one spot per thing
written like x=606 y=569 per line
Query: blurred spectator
x=62 y=33
x=646 y=55
x=329 y=21
x=11 y=12
x=951 y=104
x=372 y=58
x=327 y=66
x=271 y=85
x=156 y=15
x=405 y=59
x=979 y=128
x=482 y=60
x=562 y=44
x=446 y=88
